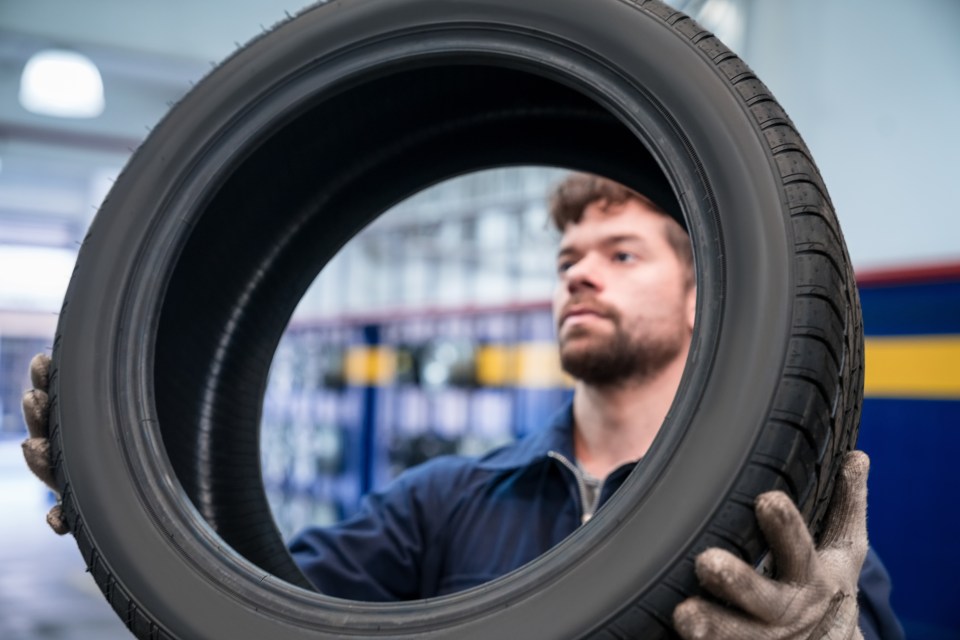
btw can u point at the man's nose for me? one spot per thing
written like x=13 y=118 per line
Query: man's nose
x=583 y=274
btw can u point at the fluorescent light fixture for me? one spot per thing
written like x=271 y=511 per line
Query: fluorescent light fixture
x=60 y=83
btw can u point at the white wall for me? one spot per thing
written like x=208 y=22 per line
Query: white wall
x=874 y=88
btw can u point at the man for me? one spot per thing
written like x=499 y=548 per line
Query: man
x=624 y=307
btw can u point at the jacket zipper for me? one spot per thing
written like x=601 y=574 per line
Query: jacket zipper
x=586 y=512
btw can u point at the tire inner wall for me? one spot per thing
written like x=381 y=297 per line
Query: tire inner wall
x=311 y=184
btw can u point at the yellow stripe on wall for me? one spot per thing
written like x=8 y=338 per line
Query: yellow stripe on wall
x=526 y=364
x=496 y=365
x=896 y=367
x=538 y=366
x=367 y=365
x=912 y=367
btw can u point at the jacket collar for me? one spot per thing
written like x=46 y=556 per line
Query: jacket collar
x=556 y=436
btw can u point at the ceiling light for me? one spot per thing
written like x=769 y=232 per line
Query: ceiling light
x=64 y=84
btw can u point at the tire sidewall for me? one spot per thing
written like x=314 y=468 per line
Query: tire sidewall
x=115 y=462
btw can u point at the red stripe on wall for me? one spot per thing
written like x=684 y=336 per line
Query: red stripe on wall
x=936 y=272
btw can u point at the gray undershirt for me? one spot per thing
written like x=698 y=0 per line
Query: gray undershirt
x=592 y=485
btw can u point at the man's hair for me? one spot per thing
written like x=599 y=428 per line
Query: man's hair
x=578 y=190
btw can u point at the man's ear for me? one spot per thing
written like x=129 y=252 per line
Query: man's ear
x=691 y=307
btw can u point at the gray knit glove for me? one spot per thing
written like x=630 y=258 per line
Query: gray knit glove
x=815 y=593
x=36 y=448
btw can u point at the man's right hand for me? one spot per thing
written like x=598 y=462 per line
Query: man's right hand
x=36 y=448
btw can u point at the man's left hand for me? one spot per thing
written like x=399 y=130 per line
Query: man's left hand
x=815 y=593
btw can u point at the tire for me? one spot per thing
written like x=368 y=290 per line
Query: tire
x=252 y=182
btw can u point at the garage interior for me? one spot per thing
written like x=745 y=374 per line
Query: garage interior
x=441 y=306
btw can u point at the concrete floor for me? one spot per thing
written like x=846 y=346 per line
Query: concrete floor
x=45 y=591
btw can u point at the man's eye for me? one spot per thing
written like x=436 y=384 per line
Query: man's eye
x=563 y=266
x=624 y=256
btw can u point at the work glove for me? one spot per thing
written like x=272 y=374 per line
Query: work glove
x=815 y=593
x=36 y=448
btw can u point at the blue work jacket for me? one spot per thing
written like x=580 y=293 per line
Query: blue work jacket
x=453 y=523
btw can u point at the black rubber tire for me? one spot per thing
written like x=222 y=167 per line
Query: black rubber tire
x=223 y=217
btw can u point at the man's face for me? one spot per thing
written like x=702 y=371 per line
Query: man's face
x=623 y=305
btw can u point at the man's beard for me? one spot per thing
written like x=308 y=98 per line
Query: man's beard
x=619 y=358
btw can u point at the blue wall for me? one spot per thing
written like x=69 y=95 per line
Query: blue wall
x=913 y=517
